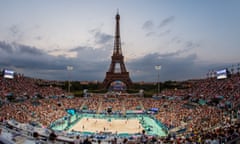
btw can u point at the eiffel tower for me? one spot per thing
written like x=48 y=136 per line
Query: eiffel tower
x=117 y=70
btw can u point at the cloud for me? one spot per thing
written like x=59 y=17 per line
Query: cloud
x=150 y=34
x=176 y=39
x=100 y=37
x=14 y=29
x=15 y=32
x=22 y=56
x=148 y=25
x=89 y=53
x=176 y=53
x=173 y=68
x=93 y=63
x=90 y=64
x=5 y=47
x=191 y=44
x=166 y=21
x=164 y=33
x=38 y=38
x=27 y=49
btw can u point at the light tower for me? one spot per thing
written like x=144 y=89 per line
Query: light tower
x=158 y=67
x=69 y=68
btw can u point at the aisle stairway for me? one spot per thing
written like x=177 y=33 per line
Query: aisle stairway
x=99 y=107
x=83 y=104
x=140 y=103
x=123 y=108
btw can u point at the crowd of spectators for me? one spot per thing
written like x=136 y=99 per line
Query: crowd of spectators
x=21 y=86
x=200 y=122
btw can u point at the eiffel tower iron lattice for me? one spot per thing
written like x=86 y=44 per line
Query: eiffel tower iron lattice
x=117 y=70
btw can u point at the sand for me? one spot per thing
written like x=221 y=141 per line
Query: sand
x=95 y=125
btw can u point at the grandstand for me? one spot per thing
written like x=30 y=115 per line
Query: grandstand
x=206 y=111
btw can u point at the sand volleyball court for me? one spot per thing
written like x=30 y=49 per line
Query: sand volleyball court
x=118 y=126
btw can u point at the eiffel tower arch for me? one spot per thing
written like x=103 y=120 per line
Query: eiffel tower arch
x=117 y=70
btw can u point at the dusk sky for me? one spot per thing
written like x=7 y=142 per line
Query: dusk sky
x=40 y=38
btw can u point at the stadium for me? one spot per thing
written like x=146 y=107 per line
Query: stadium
x=208 y=109
x=117 y=110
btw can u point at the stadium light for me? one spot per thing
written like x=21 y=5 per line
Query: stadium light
x=69 y=68
x=158 y=67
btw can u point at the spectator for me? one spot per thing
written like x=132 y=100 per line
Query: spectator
x=77 y=140
x=52 y=137
x=144 y=137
